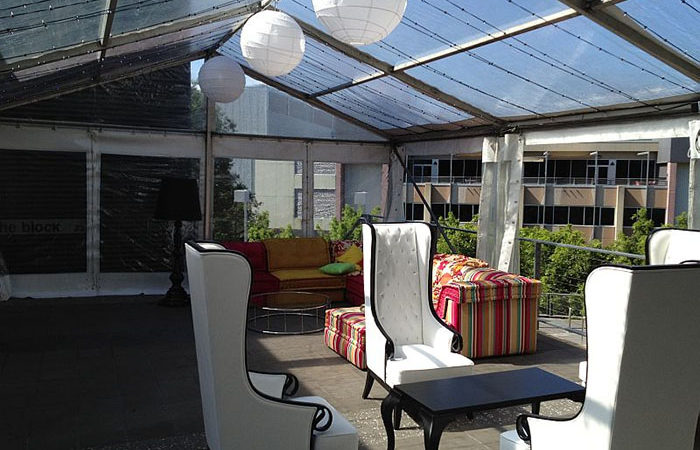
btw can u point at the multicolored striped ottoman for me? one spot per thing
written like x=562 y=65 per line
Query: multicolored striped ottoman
x=496 y=312
x=345 y=334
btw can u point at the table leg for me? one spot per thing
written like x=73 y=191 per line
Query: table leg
x=432 y=430
x=535 y=407
x=389 y=404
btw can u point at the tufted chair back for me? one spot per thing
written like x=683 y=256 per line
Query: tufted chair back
x=402 y=260
x=673 y=246
x=401 y=324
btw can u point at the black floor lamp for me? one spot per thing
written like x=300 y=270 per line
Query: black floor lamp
x=178 y=200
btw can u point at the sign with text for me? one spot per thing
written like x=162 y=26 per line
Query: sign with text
x=41 y=226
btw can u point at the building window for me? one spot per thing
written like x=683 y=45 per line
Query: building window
x=607 y=216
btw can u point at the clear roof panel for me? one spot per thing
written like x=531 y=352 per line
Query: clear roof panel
x=321 y=68
x=137 y=14
x=675 y=21
x=457 y=21
x=209 y=32
x=82 y=70
x=29 y=29
x=573 y=65
x=387 y=103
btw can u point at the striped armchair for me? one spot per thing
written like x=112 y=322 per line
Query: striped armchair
x=495 y=311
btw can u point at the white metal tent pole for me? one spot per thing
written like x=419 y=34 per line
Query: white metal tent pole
x=209 y=170
x=509 y=260
x=694 y=176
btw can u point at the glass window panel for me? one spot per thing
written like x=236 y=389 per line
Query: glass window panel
x=503 y=79
x=137 y=14
x=230 y=175
x=607 y=216
x=417 y=211
x=674 y=21
x=387 y=103
x=561 y=215
x=34 y=28
x=530 y=215
x=576 y=215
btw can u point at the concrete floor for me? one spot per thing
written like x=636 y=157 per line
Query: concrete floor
x=120 y=373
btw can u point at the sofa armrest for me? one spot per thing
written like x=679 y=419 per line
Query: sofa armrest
x=489 y=285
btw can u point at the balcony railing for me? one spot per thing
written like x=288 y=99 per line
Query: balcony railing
x=540 y=181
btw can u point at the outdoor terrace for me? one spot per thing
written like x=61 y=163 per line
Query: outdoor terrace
x=121 y=373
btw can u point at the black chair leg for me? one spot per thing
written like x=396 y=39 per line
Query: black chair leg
x=369 y=381
x=397 y=417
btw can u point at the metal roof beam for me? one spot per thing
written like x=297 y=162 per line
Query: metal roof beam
x=106 y=28
x=614 y=20
x=387 y=69
x=133 y=36
x=313 y=102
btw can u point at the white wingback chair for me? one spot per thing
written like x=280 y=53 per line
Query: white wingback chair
x=642 y=390
x=673 y=246
x=405 y=340
x=243 y=409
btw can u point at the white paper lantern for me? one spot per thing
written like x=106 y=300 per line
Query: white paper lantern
x=360 y=22
x=272 y=43
x=221 y=79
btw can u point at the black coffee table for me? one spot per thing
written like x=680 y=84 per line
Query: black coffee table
x=436 y=403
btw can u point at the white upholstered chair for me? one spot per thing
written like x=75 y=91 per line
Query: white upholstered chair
x=642 y=388
x=405 y=340
x=673 y=246
x=243 y=409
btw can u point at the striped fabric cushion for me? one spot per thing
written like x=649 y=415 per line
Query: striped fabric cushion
x=496 y=312
x=345 y=334
x=448 y=267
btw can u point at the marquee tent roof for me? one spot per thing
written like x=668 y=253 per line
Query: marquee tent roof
x=451 y=68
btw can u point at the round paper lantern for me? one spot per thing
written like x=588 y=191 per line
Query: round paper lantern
x=360 y=22
x=272 y=43
x=221 y=79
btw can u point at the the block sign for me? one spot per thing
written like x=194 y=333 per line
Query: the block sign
x=41 y=226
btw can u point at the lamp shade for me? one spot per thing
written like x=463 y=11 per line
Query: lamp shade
x=359 y=22
x=178 y=199
x=272 y=43
x=221 y=79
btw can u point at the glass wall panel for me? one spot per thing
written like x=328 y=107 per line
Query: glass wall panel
x=43 y=210
x=131 y=239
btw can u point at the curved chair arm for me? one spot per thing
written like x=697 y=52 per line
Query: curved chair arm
x=523 y=427
x=275 y=384
x=323 y=417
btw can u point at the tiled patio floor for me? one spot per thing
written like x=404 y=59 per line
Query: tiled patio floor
x=121 y=373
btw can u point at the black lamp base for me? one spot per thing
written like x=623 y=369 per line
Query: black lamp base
x=176 y=296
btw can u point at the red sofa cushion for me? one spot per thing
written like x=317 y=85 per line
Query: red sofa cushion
x=255 y=251
x=355 y=289
x=264 y=282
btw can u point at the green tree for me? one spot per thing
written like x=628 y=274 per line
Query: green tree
x=635 y=242
x=527 y=250
x=340 y=228
x=259 y=228
x=463 y=242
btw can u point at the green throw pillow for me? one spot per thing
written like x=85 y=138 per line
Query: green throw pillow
x=337 y=268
